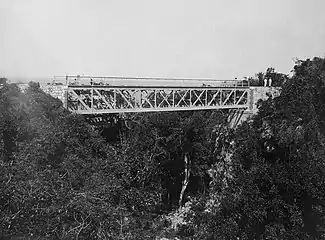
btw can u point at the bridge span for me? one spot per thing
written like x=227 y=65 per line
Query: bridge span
x=105 y=95
x=98 y=95
x=117 y=99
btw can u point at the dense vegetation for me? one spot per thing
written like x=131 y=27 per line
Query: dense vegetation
x=183 y=174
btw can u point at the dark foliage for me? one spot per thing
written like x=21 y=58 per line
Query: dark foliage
x=62 y=176
x=276 y=190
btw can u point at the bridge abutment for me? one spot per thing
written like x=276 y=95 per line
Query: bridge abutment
x=263 y=93
x=56 y=91
x=237 y=116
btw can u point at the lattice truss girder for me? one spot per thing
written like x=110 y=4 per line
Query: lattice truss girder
x=89 y=100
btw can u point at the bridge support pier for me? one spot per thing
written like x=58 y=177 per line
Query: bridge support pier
x=238 y=116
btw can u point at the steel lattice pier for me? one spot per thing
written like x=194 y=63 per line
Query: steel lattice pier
x=96 y=99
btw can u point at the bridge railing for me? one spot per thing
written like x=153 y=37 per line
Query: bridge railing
x=142 y=81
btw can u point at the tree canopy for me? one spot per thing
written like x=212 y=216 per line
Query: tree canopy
x=63 y=178
x=276 y=189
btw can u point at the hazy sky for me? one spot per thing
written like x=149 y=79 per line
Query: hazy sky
x=219 y=39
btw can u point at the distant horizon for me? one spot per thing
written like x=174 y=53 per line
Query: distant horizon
x=46 y=79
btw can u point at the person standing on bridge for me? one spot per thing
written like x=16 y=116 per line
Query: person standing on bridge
x=270 y=82
x=265 y=82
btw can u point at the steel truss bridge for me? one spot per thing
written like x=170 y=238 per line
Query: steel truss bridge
x=117 y=99
x=91 y=95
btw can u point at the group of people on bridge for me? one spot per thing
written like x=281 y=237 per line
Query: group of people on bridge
x=268 y=82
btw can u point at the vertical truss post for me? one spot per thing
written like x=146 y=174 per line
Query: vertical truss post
x=173 y=92
x=191 y=98
x=155 y=98
x=66 y=94
x=92 y=100
x=140 y=98
x=115 y=102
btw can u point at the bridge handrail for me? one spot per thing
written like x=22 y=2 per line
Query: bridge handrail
x=111 y=80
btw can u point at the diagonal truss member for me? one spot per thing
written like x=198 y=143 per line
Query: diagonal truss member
x=117 y=99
